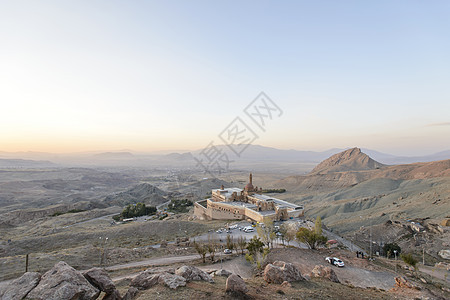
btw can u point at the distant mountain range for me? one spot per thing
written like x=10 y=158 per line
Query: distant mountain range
x=25 y=163
x=252 y=154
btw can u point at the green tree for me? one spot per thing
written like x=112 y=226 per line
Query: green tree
x=318 y=226
x=310 y=238
x=255 y=246
x=389 y=248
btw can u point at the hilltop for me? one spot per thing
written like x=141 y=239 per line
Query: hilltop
x=144 y=192
x=349 y=160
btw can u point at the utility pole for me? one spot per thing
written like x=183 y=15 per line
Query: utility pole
x=370 y=233
x=395 y=254
x=26 y=263
x=423 y=256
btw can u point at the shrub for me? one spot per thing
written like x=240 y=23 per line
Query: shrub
x=409 y=259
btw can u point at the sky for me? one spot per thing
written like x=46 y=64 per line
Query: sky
x=158 y=75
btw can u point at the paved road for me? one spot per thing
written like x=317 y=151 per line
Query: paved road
x=160 y=261
x=332 y=236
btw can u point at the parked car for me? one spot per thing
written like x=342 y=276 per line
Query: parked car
x=335 y=261
x=228 y=231
x=219 y=231
x=227 y=251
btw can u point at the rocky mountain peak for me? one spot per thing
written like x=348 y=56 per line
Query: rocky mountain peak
x=349 y=160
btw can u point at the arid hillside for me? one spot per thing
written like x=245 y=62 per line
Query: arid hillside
x=352 y=167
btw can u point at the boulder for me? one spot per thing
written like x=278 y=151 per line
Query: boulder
x=279 y=271
x=324 y=272
x=131 y=293
x=222 y=272
x=445 y=254
x=63 y=282
x=147 y=280
x=235 y=285
x=171 y=280
x=20 y=287
x=191 y=273
x=100 y=279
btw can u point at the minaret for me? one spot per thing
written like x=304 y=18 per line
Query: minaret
x=251 y=179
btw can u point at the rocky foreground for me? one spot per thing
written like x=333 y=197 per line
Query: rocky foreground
x=64 y=282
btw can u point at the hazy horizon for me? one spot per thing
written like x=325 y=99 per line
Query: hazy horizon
x=159 y=75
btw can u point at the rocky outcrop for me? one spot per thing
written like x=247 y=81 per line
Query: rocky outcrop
x=235 y=285
x=222 y=272
x=191 y=273
x=324 y=272
x=63 y=282
x=146 y=280
x=445 y=254
x=402 y=282
x=20 y=287
x=279 y=271
x=100 y=279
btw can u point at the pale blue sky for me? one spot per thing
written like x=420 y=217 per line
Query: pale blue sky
x=152 y=75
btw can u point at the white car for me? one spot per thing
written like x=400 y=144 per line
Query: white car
x=335 y=261
x=227 y=251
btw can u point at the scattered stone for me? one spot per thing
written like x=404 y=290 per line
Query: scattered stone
x=445 y=254
x=404 y=283
x=286 y=284
x=191 y=273
x=131 y=293
x=423 y=280
x=280 y=271
x=100 y=279
x=236 y=285
x=20 y=287
x=63 y=282
x=222 y=272
x=324 y=272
